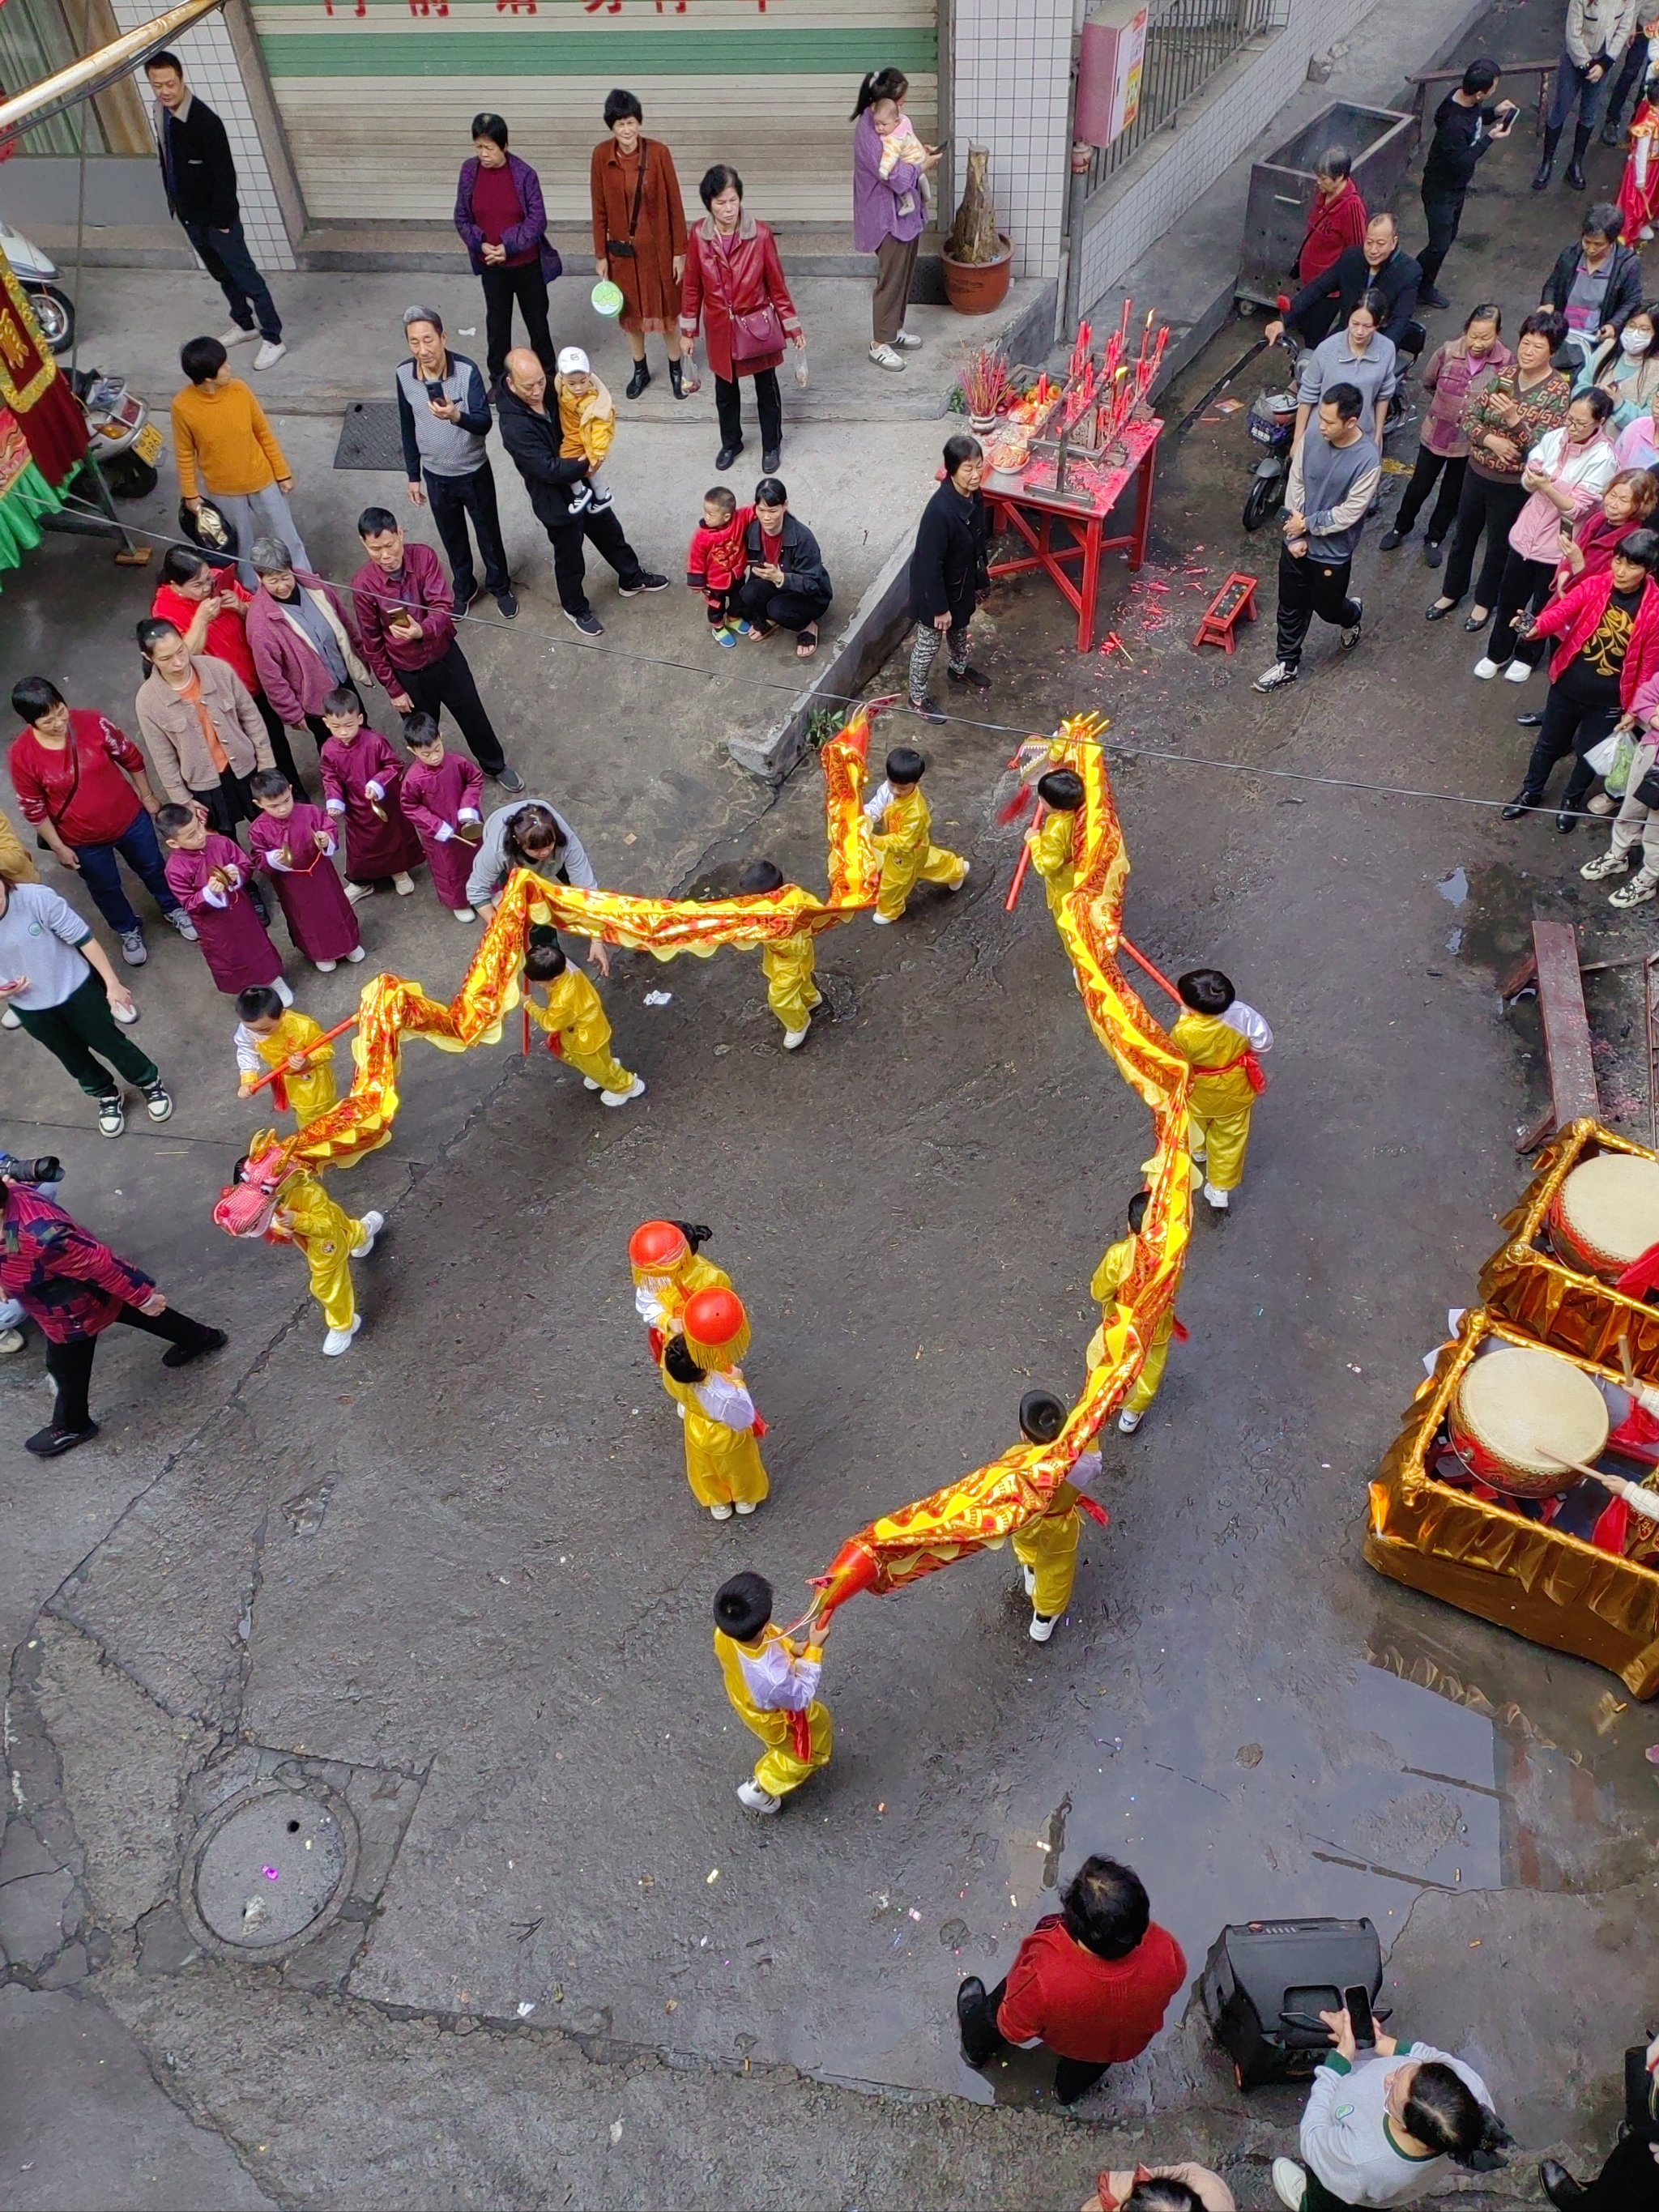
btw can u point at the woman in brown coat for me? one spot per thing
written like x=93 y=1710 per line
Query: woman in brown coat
x=639 y=234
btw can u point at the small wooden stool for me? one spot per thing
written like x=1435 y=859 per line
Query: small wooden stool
x=1233 y=603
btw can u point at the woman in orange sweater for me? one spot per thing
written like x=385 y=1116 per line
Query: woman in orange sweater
x=228 y=451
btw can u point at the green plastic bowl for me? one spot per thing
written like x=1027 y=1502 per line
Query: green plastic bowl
x=607 y=298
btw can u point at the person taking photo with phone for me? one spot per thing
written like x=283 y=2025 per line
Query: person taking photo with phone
x=1384 y=2120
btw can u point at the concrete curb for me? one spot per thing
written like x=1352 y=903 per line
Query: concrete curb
x=879 y=616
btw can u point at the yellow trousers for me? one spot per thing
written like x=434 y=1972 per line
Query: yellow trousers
x=788 y=968
x=723 y=1465
x=1148 y=1383
x=329 y=1259
x=1048 y=1548
x=1224 y=1139
x=604 y=1066
x=780 y=1768
x=901 y=871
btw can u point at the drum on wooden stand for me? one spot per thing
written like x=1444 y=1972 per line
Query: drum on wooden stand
x=1606 y=1214
x=1518 y=1415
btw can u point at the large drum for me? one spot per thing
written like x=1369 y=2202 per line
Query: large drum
x=1518 y=1414
x=1606 y=1213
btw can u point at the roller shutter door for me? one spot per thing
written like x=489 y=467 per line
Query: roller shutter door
x=376 y=104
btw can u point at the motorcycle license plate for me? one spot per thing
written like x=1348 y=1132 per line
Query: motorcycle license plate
x=149 y=444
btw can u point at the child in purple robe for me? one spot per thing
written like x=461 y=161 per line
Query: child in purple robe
x=439 y=797
x=209 y=875
x=360 y=775
x=295 y=843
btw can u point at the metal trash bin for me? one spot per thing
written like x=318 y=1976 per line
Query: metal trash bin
x=1380 y=142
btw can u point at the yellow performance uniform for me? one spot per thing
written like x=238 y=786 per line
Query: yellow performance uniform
x=776 y=1666
x=327 y=1234
x=15 y=859
x=1110 y=1276
x=788 y=967
x=576 y=1016
x=1049 y=1548
x=1053 y=858
x=722 y=1463
x=1220 y=1103
x=908 y=855
x=314 y=1089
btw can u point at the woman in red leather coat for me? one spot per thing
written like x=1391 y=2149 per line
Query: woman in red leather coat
x=734 y=286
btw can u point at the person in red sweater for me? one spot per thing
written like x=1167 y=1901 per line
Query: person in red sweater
x=85 y=785
x=1091 y=1982
x=1336 y=220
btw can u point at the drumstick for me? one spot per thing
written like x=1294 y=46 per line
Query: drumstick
x=1640 y=1500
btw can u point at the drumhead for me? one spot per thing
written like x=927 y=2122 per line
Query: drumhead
x=1611 y=1205
x=1531 y=1410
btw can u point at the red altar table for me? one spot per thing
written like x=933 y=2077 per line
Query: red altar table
x=1084 y=509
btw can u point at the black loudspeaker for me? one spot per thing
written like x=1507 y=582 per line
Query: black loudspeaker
x=1265 y=1983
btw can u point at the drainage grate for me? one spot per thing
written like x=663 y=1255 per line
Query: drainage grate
x=369 y=436
x=270 y=1867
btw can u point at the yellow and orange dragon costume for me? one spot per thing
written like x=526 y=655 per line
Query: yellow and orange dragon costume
x=1014 y=1490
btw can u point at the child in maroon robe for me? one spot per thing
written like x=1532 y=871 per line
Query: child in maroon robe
x=360 y=775
x=439 y=797
x=295 y=843
x=209 y=875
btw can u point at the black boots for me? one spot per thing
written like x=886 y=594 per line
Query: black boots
x=1581 y=138
x=1546 y=165
x=674 y=368
x=637 y=382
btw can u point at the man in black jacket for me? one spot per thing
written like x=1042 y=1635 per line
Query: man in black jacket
x=1380 y=265
x=1596 y=284
x=200 y=178
x=788 y=586
x=531 y=432
x=948 y=574
x=1467 y=125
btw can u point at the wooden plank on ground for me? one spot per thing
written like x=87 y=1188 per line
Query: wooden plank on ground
x=1567 y=1024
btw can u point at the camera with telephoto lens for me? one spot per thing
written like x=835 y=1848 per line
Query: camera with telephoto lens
x=48 y=1168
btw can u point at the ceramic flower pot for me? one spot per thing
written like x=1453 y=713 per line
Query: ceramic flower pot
x=979 y=288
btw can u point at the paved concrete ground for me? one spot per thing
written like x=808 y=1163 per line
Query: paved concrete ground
x=461 y=1567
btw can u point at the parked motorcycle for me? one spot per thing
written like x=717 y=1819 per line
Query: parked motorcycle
x=124 y=442
x=53 y=310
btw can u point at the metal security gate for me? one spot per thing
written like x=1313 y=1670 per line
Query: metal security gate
x=376 y=95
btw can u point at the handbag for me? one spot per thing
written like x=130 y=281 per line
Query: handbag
x=621 y=249
x=1647 y=792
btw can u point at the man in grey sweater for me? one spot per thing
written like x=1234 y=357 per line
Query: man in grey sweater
x=1335 y=475
x=443 y=413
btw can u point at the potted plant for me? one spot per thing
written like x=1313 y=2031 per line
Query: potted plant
x=978 y=258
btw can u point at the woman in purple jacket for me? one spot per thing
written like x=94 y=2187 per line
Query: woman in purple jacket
x=502 y=222
x=890 y=213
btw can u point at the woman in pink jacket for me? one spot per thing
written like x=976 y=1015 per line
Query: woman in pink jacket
x=1605 y=672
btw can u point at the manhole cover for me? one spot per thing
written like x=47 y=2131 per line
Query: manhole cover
x=271 y=1866
x=370 y=437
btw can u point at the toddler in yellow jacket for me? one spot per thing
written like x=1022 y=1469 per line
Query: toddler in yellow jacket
x=588 y=417
x=788 y=964
x=904 y=836
x=577 y=1026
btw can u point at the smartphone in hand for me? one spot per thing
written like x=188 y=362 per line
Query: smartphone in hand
x=1358 y=2002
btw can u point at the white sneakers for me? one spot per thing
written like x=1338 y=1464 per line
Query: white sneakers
x=324 y=967
x=1217 y=1198
x=11 y=1340
x=884 y=358
x=757 y=1798
x=339 y=1339
x=1642 y=886
x=463 y=914
x=358 y=892
x=236 y=336
x=1128 y=1423
x=9 y=1019
x=372 y=1224
x=746 y=1506
x=402 y=883
x=793 y=1039
x=1290 y=2184
x=1516 y=671
x=270 y=352
x=1276 y=677
x=967 y=871
x=1028 y=1576
x=907 y=343
x=1485 y=668
x=636 y=1089
x=1042 y=1626
x=720 y=1512
x=1606 y=864
x=884 y=920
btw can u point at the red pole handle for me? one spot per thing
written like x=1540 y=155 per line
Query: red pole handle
x=1156 y=974
x=308 y=1055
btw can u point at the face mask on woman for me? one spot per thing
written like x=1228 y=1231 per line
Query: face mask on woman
x=1636 y=341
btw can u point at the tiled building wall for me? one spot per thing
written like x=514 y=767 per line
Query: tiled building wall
x=1011 y=91
x=211 y=68
x=1170 y=172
